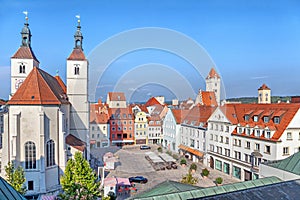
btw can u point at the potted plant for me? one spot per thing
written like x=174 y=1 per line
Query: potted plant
x=193 y=167
x=219 y=181
x=183 y=162
x=159 y=149
x=205 y=172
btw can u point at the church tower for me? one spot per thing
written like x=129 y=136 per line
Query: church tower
x=264 y=94
x=213 y=84
x=77 y=91
x=23 y=61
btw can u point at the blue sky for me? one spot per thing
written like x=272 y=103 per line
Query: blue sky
x=250 y=42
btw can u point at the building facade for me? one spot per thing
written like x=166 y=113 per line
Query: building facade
x=141 y=128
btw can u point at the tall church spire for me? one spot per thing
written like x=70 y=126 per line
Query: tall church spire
x=78 y=35
x=26 y=34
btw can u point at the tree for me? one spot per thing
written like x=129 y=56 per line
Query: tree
x=15 y=177
x=79 y=180
x=189 y=179
x=193 y=166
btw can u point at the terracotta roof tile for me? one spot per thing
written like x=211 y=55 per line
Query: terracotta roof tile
x=25 y=53
x=39 y=88
x=75 y=142
x=198 y=115
x=264 y=87
x=212 y=73
x=286 y=112
x=152 y=101
x=209 y=98
x=116 y=96
x=77 y=54
x=180 y=114
x=61 y=83
x=120 y=113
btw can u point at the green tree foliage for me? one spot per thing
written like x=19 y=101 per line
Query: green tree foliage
x=189 y=179
x=15 y=177
x=193 y=166
x=79 y=180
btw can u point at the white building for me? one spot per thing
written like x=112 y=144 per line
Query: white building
x=241 y=136
x=45 y=118
x=213 y=84
x=154 y=129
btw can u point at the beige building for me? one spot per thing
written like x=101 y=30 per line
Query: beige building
x=264 y=94
x=141 y=128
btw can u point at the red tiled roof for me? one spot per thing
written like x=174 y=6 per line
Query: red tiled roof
x=179 y=114
x=77 y=54
x=25 y=53
x=212 y=73
x=199 y=115
x=98 y=113
x=116 y=96
x=264 y=87
x=39 y=88
x=119 y=113
x=61 y=83
x=75 y=142
x=152 y=101
x=209 y=98
x=286 y=112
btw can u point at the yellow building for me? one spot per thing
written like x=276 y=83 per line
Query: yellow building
x=141 y=128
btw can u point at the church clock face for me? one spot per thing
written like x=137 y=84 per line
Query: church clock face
x=18 y=83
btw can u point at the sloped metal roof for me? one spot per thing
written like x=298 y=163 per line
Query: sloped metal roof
x=7 y=192
x=290 y=164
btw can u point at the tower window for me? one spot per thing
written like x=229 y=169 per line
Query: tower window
x=22 y=68
x=76 y=70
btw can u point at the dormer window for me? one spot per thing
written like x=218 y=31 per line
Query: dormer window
x=76 y=69
x=266 y=119
x=276 y=120
x=257 y=133
x=240 y=130
x=246 y=117
x=248 y=131
x=255 y=118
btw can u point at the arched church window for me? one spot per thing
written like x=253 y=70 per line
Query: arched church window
x=76 y=70
x=30 y=155
x=22 y=68
x=50 y=153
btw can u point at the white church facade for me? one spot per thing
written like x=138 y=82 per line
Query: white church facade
x=47 y=120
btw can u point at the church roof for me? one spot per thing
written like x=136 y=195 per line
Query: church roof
x=39 y=88
x=25 y=52
x=212 y=73
x=77 y=54
x=208 y=98
x=116 y=96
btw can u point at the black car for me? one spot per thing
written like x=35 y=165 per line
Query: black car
x=144 y=147
x=138 y=179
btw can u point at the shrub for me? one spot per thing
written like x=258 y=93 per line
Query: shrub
x=205 y=172
x=183 y=161
x=175 y=156
x=219 y=180
x=159 y=149
x=193 y=166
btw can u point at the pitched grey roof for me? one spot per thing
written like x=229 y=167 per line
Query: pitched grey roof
x=290 y=164
x=7 y=192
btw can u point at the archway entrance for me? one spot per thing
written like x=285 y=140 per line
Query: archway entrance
x=212 y=162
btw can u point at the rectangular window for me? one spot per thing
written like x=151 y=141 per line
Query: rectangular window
x=267 y=149
x=236 y=172
x=289 y=136
x=226 y=168
x=285 y=150
x=257 y=133
x=237 y=155
x=227 y=152
x=211 y=136
x=227 y=140
x=257 y=147
x=246 y=117
x=248 y=131
x=218 y=165
x=247 y=146
x=211 y=147
x=268 y=134
x=266 y=119
x=240 y=130
x=76 y=69
x=216 y=138
x=192 y=142
x=30 y=185
x=221 y=139
x=227 y=129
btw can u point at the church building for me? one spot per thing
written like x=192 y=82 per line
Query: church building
x=47 y=121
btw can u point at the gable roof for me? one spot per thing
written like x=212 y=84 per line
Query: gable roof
x=120 y=113
x=212 y=73
x=152 y=101
x=116 y=96
x=7 y=192
x=179 y=114
x=77 y=54
x=25 y=52
x=208 y=98
x=39 y=88
x=289 y=164
x=198 y=115
x=75 y=142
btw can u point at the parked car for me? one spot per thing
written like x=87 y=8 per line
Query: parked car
x=144 y=147
x=138 y=179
